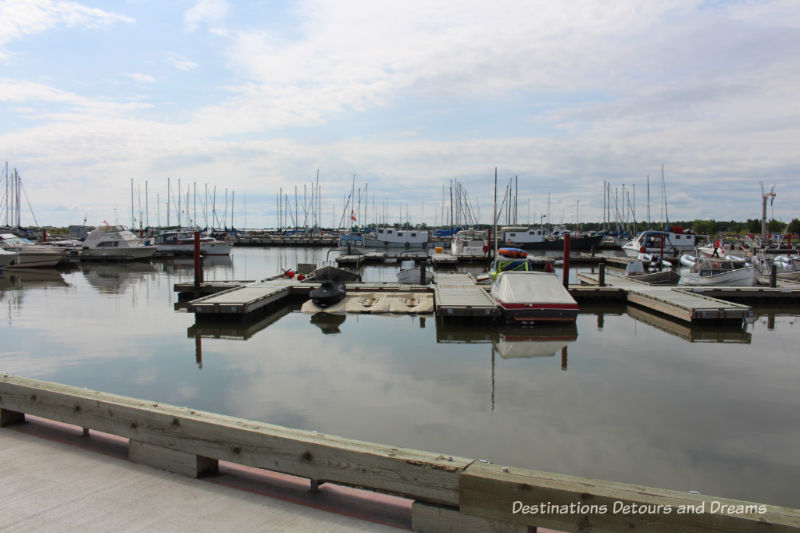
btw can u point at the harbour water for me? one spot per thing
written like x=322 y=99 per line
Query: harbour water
x=622 y=396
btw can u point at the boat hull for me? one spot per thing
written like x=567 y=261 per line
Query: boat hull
x=41 y=258
x=140 y=253
x=575 y=243
x=741 y=277
x=208 y=248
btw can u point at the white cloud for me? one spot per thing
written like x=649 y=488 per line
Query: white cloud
x=146 y=78
x=27 y=17
x=180 y=62
x=205 y=11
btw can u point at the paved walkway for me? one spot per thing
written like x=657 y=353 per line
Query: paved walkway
x=55 y=479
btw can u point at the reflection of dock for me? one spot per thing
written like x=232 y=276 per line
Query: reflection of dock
x=238 y=330
x=692 y=333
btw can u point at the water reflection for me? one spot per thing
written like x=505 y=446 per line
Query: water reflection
x=329 y=323
x=18 y=279
x=732 y=333
x=116 y=278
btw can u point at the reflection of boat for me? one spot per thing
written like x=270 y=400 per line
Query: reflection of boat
x=22 y=278
x=719 y=272
x=328 y=323
x=328 y=293
x=533 y=297
x=115 y=243
x=113 y=278
x=511 y=341
x=181 y=242
x=636 y=271
x=31 y=255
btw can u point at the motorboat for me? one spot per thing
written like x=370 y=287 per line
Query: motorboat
x=712 y=271
x=114 y=243
x=504 y=264
x=470 y=243
x=334 y=273
x=351 y=242
x=670 y=242
x=636 y=270
x=329 y=292
x=538 y=239
x=31 y=255
x=412 y=273
x=181 y=242
x=7 y=258
x=788 y=267
x=396 y=238
x=533 y=297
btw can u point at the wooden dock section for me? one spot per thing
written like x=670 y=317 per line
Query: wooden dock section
x=243 y=300
x=678 y=302
x=457 y=295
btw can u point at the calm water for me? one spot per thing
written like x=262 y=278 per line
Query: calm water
x=623 y=396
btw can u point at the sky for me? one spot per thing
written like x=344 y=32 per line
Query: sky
x=399 y=100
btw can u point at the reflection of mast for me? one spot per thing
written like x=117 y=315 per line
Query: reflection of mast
x=493 y=376
x=564 y=358
x=198 y=350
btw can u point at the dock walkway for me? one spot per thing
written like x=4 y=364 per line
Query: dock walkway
x=457 y=295
x=680 y=302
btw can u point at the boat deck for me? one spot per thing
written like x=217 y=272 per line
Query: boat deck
x=457 y=295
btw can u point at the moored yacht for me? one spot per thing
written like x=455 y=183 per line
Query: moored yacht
x=181 y=242
x=31 y=255
x=470 y=243
x=115 y=243
x=672 y=242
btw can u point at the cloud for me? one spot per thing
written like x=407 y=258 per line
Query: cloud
x=205 y=11
x=180 y=62
x=146 y=78
x=27 y=17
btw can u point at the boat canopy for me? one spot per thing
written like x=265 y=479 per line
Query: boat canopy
x=530 y=288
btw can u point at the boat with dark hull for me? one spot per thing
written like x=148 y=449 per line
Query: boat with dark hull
x=329 y=292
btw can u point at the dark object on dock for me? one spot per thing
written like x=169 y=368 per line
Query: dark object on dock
x=327 y=322
x=335 y=274
x=328 y=293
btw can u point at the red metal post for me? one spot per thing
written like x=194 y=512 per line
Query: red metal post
x=566 y=259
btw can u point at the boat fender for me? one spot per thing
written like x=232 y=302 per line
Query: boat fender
x=289 y=274
x=714 y=266
x=642 y=249
x=301 y=277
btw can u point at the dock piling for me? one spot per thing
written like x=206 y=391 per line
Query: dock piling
x=198 y=267
x=601 y=275
x=566 y=259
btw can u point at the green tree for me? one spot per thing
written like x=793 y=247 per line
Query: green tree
x=794 y=226
x=775 y=226
x=704 y=227
x=753 y=225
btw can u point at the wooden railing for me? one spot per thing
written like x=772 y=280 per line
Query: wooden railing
x=449 y=493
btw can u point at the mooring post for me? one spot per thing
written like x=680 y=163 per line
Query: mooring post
x=601 y=274
x=773 y=275
x=198 y=268
x=566 y=260
x=422 y=273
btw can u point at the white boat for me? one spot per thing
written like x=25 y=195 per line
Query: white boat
x=181 y=242
x=533 y=297
x=788 y=267
x=115 y=243
x=712 y=271
x=31 y=255
x=521 y=236
x=652 y=242
x=350 y=242
x=413 y=274
x=394 y=238
x=7 y=258
x=470 y=243
x=636 y=270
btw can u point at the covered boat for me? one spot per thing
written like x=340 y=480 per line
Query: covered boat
x=533 y=297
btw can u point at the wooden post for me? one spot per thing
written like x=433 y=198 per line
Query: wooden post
x=773 y=275
x=566 y=259
x=198 y=267
x=601 y=275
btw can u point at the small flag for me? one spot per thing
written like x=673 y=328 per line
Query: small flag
x=352 y=215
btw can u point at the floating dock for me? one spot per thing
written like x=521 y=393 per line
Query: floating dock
x=457 y=295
